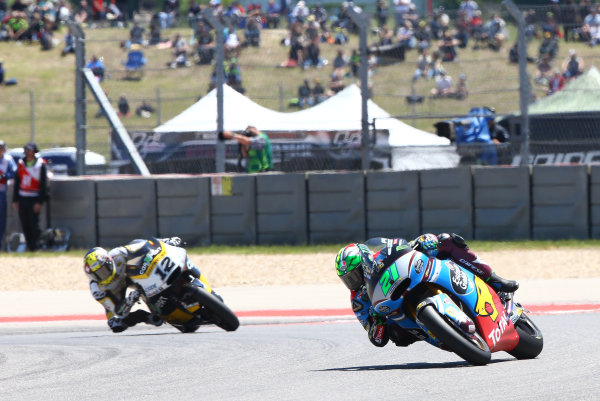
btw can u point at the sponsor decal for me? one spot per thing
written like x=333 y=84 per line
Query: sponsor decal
x=383 y=309
x=356 y=306
x=87 y=268
x=419 y=266
x=496 y=334
x=485 y=302
x=473 y=267
x=458 y=279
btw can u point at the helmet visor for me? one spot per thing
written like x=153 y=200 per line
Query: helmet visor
x=354 y=278
x=103 y=272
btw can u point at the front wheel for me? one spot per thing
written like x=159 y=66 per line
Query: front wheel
x=219 y=312
x=474 y=352
x=531 y=341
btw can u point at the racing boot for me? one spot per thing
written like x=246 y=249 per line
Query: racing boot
x=501 y=284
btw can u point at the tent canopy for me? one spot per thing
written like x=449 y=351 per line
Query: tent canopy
x=339 y=112
x=579 y=95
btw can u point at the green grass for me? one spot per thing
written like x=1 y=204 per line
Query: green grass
x=50 y=77
x=478 y=246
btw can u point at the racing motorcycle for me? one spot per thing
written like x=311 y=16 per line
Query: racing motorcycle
x=442 y=303
x=173 y=288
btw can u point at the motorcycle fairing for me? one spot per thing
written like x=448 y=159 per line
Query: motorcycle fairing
x=154 y=274
x=496 y=328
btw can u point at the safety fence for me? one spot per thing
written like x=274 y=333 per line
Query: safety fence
x=484 y=203
x=47 y=116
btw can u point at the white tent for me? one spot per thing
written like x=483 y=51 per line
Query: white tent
x=340 y=112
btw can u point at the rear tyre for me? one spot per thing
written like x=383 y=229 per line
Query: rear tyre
x=531 y=341
x=219 y=312
x=476 y=353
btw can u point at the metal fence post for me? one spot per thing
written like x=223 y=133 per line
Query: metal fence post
x=525 y=90
x=220 y=56
x=80 y=105
x=31 y=116
x=158 y=108
x=363 y=20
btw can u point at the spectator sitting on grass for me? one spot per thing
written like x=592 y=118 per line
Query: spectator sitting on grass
x=573 y=65
x=144 y=110
x=444 y=86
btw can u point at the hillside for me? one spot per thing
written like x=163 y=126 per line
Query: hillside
x=46 y=80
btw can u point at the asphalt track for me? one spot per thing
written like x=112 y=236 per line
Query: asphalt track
x=56 y=346
x=333 y=360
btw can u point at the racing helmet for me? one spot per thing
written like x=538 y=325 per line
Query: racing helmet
x=99 y=266
x=349 y=267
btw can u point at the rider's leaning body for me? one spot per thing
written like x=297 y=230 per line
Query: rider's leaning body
x=106 y=271
x=443 y=246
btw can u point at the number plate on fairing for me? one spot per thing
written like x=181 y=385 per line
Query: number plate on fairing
x=157 y=266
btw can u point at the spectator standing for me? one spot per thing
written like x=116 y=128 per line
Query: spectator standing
x=155 y=29
x=8 y=169
x=381 y=13
x=569 y=19
x=69 y=43
x=205 y=44
x=320 y=14
x=255 y=149
x=30 y=193
x=3 y=9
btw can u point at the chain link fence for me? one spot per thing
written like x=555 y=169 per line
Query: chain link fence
x=271 y=72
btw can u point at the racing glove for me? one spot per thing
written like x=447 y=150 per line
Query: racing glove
x=116 y=325
x=426 y=243
x=175 y=241
x=377 y=332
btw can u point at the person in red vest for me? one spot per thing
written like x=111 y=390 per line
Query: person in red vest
x=30 y=193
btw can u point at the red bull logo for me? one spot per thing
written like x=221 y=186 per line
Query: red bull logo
x=485 y=303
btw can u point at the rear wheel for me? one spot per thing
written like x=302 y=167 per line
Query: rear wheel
x=219 y=312
x=531 y=340
x=474 y=351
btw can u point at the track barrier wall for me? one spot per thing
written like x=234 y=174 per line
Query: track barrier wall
x=559 y=202
x=183 y=208
x=501 y=203
x=484 y=203
x=446 y=201
x=392 y=203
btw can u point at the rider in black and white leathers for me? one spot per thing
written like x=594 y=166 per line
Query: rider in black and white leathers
x=109 y=282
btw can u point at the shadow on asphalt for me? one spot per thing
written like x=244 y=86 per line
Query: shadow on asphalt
x=410 y=366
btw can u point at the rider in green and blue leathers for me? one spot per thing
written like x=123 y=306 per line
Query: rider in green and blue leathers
x=349 y=266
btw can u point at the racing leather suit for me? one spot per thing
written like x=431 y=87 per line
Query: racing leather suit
x=113 y=296
x=444 y=246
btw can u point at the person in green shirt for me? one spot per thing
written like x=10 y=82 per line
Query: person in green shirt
x=255 y=149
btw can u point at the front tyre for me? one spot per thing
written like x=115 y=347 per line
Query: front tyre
x=531 y=340
x=476 y=353
x=219 y=312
